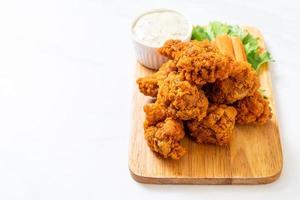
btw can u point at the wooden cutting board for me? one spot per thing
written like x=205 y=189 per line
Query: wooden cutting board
x=253 y=157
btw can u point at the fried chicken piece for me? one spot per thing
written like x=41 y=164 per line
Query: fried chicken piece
x=181 y=99
x=163 y=134
x=173 y=48
x=253 y=110
x=164 y=138
x=216 y=128
x=200 y=62
x=154 y=113
x=149 y=85
x=241 y=83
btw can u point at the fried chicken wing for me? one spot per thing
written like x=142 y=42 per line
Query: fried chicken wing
x=149 y=85
x=164 y=138
x=200 y=62
x=216 y=127
x=253 y=110
x=241 y=83
x=182 y=100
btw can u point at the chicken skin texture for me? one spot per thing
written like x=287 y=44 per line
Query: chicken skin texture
x=149 y=85
x=216 y=128
x=253 y=110
x=164 y=138
x=181 y=99
x=199 y=62
x=241 y=83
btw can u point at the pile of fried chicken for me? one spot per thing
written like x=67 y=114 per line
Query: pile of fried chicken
x=200 y=91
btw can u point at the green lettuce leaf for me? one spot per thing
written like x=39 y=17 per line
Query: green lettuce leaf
x=236 y=31
x=255 y=57
x=217 y=28
x=199 y=33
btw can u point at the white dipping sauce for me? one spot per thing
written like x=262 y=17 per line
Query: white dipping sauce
x=153 y=29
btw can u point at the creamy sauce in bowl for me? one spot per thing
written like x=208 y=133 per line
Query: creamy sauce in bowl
x=154 y=28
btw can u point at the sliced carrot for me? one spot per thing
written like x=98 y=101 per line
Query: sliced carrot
x=238 y=47
x=224 y=43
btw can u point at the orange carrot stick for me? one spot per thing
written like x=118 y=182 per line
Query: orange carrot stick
x=238 y=47
x=224 y=43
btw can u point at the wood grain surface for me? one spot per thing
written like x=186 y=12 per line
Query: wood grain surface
x=253 y=157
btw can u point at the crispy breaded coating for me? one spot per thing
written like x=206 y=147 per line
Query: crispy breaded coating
x=200 y=62
x=216 y=128
x=164 y=138
x=154 y=113
x=182 y=100
x=173 y=48
x=253 y=110
x=241 y=83
x=149 y=85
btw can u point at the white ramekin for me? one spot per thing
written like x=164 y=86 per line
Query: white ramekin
x=148 y=55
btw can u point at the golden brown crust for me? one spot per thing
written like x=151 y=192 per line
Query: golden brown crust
x=149 y=85
x=164 y=138
x=241 y=83
x=200 y=62
x=182 y=100
x=253 y=110
x=216 y=128
x=154 y=113
x=172 y=48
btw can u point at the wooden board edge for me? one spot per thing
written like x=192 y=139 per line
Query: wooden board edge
x=265 y=67
x=204 y=181
x=256 y=181
x=179 y=181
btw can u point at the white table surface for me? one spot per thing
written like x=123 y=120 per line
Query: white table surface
x=66 y=79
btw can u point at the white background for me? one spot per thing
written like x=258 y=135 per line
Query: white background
x=66 y=79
